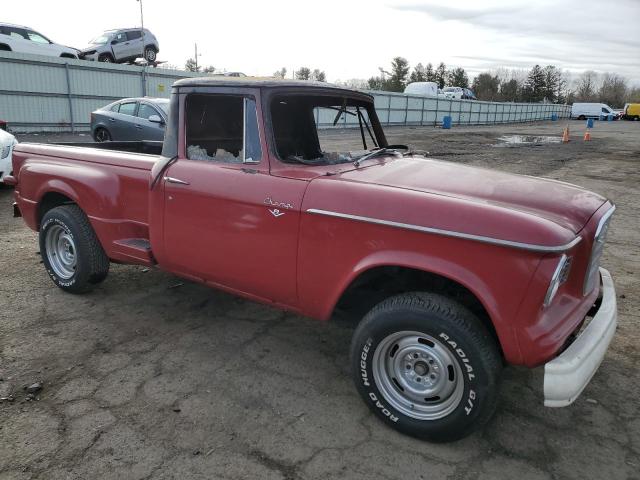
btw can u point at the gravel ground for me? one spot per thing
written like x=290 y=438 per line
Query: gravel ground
x=151 y=376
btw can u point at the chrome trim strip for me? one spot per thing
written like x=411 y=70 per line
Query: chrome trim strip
x=448 y=233
x=603 y=220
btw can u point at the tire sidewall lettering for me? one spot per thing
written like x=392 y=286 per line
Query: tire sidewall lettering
x=57 y=221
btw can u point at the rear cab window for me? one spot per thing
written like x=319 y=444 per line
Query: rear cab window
x=222 y=128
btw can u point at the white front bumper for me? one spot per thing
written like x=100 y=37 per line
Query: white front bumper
x=566 y=375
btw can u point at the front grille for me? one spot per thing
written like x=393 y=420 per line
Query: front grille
x=591 y=277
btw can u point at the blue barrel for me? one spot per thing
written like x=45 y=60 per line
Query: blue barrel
x=609 y=118
x=601 y=117
x=590 y=123
x=554 y=117
x=446 y=122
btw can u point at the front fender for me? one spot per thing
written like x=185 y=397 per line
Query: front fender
x=335 y=252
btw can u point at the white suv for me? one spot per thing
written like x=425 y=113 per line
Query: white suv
x=16 y=38
x=122 y=46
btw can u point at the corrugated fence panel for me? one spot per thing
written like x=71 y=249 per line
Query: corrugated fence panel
x=57 y=94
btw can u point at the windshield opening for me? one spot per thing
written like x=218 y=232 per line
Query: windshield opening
x=322 y=129
x=101 y=40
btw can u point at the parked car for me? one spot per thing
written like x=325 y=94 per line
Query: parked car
x=582 y=111
x=459 y=93
x=130 y=119
x=7 y=143
x=124 y=45
x=460 y=269
x=468 y=94
x=425 y=89
x=631 y=111
x=21 y=39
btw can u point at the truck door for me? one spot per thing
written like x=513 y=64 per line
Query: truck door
x=226 y=220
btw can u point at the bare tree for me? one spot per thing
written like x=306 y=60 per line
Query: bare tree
x=282 y=73
x=613 y=90
x=303 y=73
x=318 y=75
x=586 y=86
x=191 y=65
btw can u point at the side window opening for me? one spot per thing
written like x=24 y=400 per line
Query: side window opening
x=134 y=34
x=128 y=108
x=222 y=128
x=145 y=111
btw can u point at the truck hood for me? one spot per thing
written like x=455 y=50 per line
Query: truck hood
x=444 y=195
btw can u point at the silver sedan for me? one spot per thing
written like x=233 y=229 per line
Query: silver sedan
x=130 y=119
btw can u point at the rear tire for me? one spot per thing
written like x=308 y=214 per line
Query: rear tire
x=426 y=366
x=71 y=251
x=102 y=135
x=582 y=117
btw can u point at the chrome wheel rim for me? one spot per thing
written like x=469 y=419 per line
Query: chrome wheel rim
x=418 y=375
x=61 y=252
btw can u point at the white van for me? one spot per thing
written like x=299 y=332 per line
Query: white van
x=426 y=89
x=582 y=111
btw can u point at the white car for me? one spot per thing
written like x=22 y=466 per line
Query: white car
x=7 y=142
x=20 y=39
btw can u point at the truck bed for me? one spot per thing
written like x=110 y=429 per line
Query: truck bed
x=109 y=181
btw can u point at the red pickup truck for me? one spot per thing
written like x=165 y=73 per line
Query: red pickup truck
x=456 y=270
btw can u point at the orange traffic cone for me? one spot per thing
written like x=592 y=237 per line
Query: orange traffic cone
x=565 y=135
x=587 y=136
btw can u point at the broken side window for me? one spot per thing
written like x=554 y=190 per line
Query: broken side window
x=222 y=128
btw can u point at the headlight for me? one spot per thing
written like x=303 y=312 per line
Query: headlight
x=560 y=275
x=5 y=151
x=591 y=278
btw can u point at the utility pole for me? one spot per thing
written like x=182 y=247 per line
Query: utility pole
x=141 y=28
x=196 y=56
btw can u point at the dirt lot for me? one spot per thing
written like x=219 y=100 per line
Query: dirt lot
x=151 y=376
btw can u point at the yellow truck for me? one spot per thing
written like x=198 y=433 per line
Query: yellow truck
x=631 y=111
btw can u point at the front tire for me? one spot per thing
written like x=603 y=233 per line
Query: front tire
x=71 y=252
x=150 y=54
x=426 y=366
x=106 y=58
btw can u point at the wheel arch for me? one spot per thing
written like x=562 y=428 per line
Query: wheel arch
x=52 y=199
x=5 y=48
x=376 y=282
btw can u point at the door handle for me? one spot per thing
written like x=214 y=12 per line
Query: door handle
x=112 y=119
x=138 y=126
x=175 y=180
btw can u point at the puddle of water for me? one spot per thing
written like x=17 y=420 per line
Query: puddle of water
x=525 y=140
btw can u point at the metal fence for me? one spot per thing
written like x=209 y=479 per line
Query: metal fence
x=57 y=94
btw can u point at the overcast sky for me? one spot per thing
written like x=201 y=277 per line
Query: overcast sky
x=352 y=38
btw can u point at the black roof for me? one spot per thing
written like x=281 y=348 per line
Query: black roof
x=260 y=82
